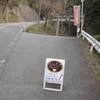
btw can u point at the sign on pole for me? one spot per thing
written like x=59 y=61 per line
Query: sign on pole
x=77 y=15
x=54 y=74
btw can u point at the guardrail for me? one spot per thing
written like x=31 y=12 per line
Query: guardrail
x=94 y=43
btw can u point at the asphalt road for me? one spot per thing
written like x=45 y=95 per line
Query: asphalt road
x=22 y=59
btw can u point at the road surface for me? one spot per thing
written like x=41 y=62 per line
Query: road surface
x=22 y=59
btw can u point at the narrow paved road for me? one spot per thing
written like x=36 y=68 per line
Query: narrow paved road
x=23 y=56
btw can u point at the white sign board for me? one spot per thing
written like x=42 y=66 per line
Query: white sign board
x=54 y=74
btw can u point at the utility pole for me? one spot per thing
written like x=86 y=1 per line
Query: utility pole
x=69 y=23
x=82 y=16
x=7 y=14
x=39 y=11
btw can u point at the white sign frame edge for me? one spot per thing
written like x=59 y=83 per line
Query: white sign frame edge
x=44 y=83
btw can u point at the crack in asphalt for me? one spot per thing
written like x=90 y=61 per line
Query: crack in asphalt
x=5 y=57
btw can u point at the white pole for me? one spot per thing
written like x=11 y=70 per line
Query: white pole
x=78 y=29
x=82 y=19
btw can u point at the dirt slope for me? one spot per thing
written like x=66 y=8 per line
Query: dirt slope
x=25 y=13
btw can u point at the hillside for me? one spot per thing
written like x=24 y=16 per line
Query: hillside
x=17 y=13
x=25 y=13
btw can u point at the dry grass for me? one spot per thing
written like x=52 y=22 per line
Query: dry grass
x=12 y=18
x=40 y=29
x=93 y=58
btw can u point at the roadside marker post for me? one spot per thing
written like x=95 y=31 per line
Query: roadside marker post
x=54 y=74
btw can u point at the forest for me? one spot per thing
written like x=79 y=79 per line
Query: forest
x=91 y=10
x=91 y=14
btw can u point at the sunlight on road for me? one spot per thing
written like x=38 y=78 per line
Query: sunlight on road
x=2 y=27
x=9 y=25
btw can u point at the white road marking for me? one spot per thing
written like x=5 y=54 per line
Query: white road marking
x=21 y=30
x=2 y=61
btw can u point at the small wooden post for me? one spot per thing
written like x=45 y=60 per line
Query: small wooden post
x=57 y=29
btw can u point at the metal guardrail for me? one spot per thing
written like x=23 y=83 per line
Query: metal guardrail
x=94 y=43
